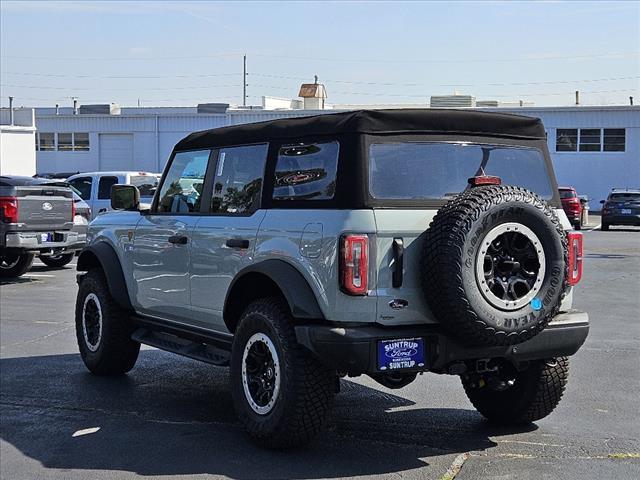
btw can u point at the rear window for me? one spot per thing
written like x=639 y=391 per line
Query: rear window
x=625 y=197
x=567 y=194
x=438 y=170
x=147 y=184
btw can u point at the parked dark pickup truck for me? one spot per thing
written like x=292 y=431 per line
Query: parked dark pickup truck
x=36 y=218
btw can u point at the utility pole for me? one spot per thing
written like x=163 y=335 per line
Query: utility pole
x=244 y=80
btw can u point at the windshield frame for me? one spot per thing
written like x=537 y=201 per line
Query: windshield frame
x=539 y=144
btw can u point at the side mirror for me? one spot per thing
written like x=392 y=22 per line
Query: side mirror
x=125 y=197
x=602 y=202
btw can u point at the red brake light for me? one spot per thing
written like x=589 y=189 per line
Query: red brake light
x=9 y=209
x=354 y=264
x=73 y=209
x=575 y=257
x=480 y=180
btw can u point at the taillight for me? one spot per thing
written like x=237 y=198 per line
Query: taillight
x=354 y=264
x=73 y=210
x=9 y=209
x=575 y=257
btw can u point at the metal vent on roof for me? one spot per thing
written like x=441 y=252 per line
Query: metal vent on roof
x=212 y=107
x=100 y=109
x=453 y=101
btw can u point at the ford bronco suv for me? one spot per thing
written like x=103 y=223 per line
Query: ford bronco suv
x=388 y=243
x=36 y=218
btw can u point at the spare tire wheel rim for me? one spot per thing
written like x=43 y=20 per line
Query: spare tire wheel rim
x=510 y=266
x=92 y=321
x=260 y=373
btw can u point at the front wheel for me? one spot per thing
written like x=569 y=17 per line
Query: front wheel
x=103 y=329
x=281 y=393
x=523 y=397
x=57 y=261
x=15 y=265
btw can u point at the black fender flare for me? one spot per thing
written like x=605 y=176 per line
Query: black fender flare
x=295 y=288
x=103 y=255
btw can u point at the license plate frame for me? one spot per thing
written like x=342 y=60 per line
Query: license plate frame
x=398 y=354
x=626 y=211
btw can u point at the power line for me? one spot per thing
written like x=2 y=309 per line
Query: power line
x=73 y=89
x=64 y=75
x=523 y=58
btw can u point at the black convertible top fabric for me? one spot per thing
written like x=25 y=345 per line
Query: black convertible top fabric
x=396 y=121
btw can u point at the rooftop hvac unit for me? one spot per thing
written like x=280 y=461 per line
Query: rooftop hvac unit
x=213 y=107
x=453 y=101
x=100 y=109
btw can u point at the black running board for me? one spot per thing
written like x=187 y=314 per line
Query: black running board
x=182 y=346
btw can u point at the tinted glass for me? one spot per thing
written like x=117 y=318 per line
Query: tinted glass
x=566 y=140
x=47 y=141
x=589 y=139
x=624 y=197
x=567 y=194
x=104 y=187
x=614 y=139
x=147 y=184
x=83 y=186
x=183 y=184
x=81 y=142
x=65 y=141
x=415 y=170
x=306 y=172
x=238 y=182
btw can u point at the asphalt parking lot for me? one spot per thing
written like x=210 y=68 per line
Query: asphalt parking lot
x=173 y=417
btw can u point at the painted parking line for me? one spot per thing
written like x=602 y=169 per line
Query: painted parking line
x=597 y=227
x=38 y=275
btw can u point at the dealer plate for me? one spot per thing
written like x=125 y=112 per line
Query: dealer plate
x=401 y=354
x=46 y=237
x=626 y=211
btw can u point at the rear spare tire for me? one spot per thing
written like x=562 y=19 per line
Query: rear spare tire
x=494 y=265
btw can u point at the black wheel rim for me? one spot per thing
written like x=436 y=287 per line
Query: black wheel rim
x=92 y=322
x=260 y=373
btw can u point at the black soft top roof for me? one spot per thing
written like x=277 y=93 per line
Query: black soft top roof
x=20 y=181
x=395 y=121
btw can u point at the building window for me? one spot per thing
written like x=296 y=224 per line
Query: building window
x=47 y=141
x=614 y=139
x=81 y=142
x=37 y=137
x=65 y=142
x=590 y=140
x=566 y=140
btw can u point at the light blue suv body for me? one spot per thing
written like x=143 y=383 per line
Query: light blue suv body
x=330 y=214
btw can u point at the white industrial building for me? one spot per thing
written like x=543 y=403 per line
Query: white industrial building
x=593 y=148
x=17 y=140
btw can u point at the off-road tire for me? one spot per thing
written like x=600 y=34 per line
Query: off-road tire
x=115 y=353
x=18 y=269
x=57 y=261
x=452 y=246
x=306 y=391
x=535 y=393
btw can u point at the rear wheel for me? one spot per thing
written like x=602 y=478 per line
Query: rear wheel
x=522 y=397
x=281 y=393
x=57 y=261
x=15 y=265
x=103 y=329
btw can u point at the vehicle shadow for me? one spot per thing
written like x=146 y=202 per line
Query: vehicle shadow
x=172 y=416
x=15 y=280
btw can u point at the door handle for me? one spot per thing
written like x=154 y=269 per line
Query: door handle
x=398 y=260
x=178 y=239
x=238 y=243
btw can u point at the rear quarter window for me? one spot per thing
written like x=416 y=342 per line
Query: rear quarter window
x=306 y=171
x=438 y=170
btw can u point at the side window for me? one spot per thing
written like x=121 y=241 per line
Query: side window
x=566 y=140
x=306 y=172
x=104 y=187
x=182 y=187
x=238 y=181
x=83 y=185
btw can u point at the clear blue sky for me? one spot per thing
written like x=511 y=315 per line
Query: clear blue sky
x=364 y=52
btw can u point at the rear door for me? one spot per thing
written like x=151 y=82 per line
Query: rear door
x=163 y=240
x=224 y=240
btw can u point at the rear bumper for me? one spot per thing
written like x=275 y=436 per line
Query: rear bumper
x=354 y=349
x=63 y=240
x=621 y=219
